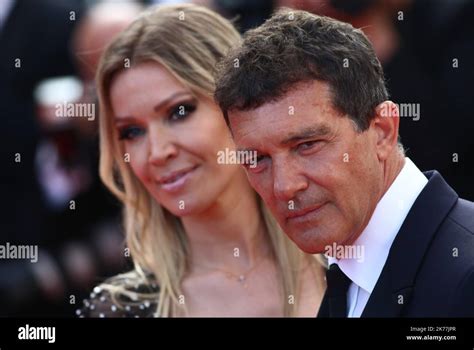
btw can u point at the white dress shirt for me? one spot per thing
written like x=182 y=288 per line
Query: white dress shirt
x=378 y=236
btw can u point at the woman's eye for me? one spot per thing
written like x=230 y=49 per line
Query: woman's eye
x=181 y=111
x=130 y=132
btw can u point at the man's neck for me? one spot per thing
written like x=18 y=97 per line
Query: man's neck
x=392 y=168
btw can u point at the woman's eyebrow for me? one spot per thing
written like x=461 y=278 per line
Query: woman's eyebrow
x=156 y=108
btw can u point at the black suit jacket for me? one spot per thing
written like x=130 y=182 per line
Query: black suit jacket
x=429 y=271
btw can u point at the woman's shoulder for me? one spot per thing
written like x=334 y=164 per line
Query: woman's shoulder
x=125 y=295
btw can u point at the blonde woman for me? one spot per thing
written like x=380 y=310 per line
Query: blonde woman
x=202 y=242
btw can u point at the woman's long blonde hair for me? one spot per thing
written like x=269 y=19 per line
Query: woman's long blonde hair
x=188 y=40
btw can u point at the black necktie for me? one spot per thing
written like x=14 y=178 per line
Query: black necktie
x=334 y=303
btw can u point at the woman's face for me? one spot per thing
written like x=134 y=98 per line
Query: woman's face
x=171 y=138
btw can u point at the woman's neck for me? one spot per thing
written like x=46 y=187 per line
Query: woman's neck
x=230 y=234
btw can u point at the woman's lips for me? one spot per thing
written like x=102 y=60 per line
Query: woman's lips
x=175 y=181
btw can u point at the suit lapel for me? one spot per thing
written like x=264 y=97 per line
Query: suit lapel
x=395 y=285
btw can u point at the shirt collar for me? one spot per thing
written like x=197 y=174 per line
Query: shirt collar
x=376 y=239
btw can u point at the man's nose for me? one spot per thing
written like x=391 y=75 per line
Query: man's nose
x=287 y=181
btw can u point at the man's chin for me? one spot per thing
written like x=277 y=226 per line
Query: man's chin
x=308 y=243
x=310 y=249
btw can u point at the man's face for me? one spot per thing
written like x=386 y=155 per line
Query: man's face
x=319 y=176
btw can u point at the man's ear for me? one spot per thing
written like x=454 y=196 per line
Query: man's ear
x=385 y=125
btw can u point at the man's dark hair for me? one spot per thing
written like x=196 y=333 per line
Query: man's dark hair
x=294 y=47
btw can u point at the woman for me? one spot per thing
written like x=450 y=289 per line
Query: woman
x=202 y=242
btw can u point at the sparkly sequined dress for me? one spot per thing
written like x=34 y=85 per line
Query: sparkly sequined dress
x=134 y=300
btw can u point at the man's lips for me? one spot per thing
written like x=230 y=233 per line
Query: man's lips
x=296 y=214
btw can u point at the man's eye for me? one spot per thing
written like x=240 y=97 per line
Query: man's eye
x=260 y=158
x=130 y=132
x=255 y=163
x=182 y=111
x=307 y=145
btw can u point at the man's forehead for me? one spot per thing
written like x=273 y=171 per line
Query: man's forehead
x=248 y=135
x=301 y=97
x=302 y=112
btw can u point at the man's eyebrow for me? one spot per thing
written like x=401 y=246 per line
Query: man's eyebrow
x=307 y=133
x=304 y=134
x=128 y=119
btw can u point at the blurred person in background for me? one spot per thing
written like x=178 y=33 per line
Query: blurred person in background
x=202 y=242
x=56 y=199
x=244 y=14
x=83 y=219
x=30 y=51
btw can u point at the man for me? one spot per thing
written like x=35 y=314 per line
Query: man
x=307 y=94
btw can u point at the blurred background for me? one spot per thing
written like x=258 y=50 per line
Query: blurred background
x=51 y=195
